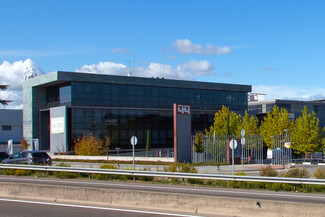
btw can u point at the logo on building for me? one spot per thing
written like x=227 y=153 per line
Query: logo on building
x=30 y=73
x=184 y=109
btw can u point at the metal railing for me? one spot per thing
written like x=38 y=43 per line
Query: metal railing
x=167 y=174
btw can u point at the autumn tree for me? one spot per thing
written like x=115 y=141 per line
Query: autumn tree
x=89 y=145
x=306 y=135
x=274 y=124
x=225 y=122
x=249 y=124
x=198 y=142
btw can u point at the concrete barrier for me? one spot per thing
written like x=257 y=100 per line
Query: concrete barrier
x=162 y=201
x=113 y=158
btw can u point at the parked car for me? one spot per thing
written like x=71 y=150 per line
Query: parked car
x=29 y=157
x=3 y=155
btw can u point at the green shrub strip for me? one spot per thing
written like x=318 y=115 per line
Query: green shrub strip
x=186 y=168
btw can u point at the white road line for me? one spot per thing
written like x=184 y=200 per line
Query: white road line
x=95 y=207
x=173 y=188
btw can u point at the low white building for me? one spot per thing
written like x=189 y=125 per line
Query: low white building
x=11 y=125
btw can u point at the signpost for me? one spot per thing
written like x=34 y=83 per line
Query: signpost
x=242 y=141
x=134 y=141
x=233 y=146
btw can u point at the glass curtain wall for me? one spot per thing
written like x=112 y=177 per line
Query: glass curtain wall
x=120 y=111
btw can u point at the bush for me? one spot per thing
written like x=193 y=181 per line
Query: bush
x=89 y=145
x=24 y=144
x=145 y=178
x=63 y=175
x=296 y=172
x=182 y=168
x=186 y=168
x=7 y=172
x=268 y=171
x=104 y=176
x=238 y=184
x=23 y=172
x=319 y=173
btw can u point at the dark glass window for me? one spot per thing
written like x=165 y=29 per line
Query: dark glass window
x=155 y=91
x=139 y=91
x=115 y=89
x=6 y=128
x=106 y=88
x=65 y=95
x=123 y=89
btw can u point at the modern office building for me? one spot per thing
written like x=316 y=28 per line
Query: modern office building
x=11 y=125
x=60 y=106
x=294 y=107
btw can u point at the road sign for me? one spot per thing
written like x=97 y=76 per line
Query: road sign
x=134 y=140
x=242 y=132
x=242 y=141
x=233 y=144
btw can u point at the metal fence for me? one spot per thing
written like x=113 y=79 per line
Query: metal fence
x=215 y=148
x=281 y=150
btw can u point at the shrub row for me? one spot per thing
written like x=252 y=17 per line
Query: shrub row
x=188 y=168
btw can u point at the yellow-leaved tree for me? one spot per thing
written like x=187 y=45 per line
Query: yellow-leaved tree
x=225 y=122
x=274 y=124
x=250 y=124
x=306 y=135
x=89 y=145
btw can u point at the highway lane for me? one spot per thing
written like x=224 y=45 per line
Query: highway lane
x=30 y=208
x=192 y=190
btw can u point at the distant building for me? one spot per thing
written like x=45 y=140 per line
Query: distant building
x=60 y=106
x=11 y=125
x=294 y=107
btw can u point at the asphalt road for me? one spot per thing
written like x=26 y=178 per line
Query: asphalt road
x=211 y=191
x=28 y=208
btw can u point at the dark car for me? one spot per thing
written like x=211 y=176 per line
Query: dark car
x=3 y=155
x=29 y=157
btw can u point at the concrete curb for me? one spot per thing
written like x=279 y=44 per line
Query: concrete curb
x=162 y=201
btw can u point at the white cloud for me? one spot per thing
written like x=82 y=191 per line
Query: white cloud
x=163 y=70
x=121 y=51
x=183 y=71
x=200 y=68
x=104 y=68
x=186 y=46
x=12 y=74
x=290 y=92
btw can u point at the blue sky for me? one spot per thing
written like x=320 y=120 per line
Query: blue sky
x=275 y=46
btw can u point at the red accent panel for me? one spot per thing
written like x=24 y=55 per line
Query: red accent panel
x=175 y=130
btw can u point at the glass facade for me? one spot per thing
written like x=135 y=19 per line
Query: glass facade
x=120 y=111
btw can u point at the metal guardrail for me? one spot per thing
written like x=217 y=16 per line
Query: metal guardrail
x=167 y=174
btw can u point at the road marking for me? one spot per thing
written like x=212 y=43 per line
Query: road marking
x=96 y=207
x=173 y=188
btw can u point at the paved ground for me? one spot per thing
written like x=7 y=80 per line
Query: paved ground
x=32 y=208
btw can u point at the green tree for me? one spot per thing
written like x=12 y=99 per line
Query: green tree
x=306 y=135
x=250 y=124
x=225 y=122
x=89 y=145
x=274 y=124
x=2 y=101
